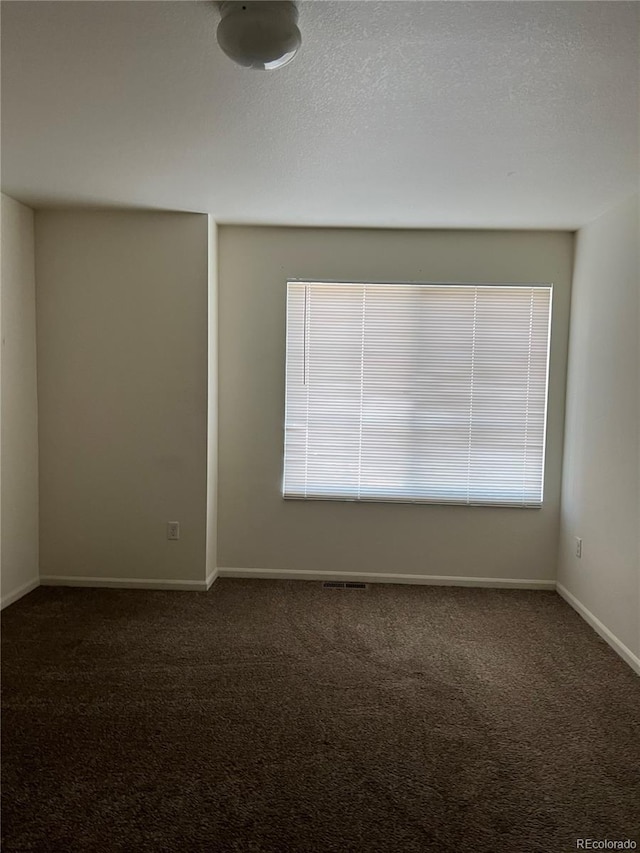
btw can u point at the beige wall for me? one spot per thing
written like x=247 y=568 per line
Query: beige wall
x=212 y=417
x=602 y=450
x=256 y=528
x=122 y=355
x=19 y=405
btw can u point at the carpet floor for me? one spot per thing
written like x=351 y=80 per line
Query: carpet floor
x=278 y=716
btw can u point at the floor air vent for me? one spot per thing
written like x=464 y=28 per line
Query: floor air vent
x=343 y=585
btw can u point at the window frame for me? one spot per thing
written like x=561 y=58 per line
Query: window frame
x=409 y=500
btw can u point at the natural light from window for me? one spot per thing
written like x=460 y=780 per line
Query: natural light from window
x=433 y=393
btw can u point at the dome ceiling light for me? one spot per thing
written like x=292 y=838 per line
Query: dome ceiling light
x=260 y=34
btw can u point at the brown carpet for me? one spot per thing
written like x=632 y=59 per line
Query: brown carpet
x=277 y=716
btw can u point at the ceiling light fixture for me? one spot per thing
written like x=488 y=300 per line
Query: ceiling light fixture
x=260 y=34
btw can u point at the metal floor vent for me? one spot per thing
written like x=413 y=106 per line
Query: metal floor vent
x=343 y=585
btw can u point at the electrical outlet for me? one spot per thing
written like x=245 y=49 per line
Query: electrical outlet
x=578 y=547
x=173 y=529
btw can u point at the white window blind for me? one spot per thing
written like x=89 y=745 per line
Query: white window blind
x=416 y=392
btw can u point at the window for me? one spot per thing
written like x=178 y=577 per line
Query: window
x=431 y=393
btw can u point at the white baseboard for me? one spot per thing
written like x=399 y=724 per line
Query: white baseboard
x=600 y=628
x=8 y=599
x=128 y=583
x=211 y=578
x=379 y=577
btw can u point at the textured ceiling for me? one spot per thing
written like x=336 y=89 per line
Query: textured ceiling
x=417 y=114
